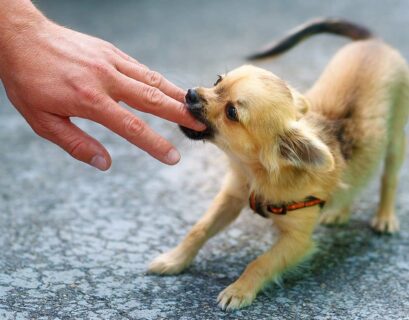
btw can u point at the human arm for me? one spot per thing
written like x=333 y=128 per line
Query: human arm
x=52 y=73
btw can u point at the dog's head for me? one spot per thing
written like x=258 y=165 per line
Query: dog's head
x=253 y=115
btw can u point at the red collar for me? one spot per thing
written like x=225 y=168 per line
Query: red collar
x=258 y=206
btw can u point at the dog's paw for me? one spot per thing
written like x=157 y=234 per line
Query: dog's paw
x=236 y=296
x=385 y=224
x=331 y=219
x=171 y=262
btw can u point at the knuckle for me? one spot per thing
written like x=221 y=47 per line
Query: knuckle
x=42 y=128
x=153 y=96
x=119 y=52
x=109 y=45
x=101 y=68
x=115 y=50
x=133 y=126
x=154 y=78
x=75 y=147
x=110 y=56
x=90 y=96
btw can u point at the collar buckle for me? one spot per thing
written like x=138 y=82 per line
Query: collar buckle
x=281 y=210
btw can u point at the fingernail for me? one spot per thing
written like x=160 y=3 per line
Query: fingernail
x=173 y=156
x=200 y=125
x=99 y=162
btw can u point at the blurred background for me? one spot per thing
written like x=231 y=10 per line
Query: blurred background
x=75 y=242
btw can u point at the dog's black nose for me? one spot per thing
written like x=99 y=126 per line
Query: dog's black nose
x=192 y=97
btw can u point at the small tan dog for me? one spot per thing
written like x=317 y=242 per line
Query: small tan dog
x=291 y=153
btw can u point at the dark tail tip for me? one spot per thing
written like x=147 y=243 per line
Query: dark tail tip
x=324 y=25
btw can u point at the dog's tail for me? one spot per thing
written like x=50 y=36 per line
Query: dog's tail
x=324 y=25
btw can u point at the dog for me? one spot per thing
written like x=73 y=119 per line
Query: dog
x=299 y=159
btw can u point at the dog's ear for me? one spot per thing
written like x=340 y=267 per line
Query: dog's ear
x=303 y=149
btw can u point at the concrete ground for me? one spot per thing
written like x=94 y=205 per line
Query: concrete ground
x=75 y=242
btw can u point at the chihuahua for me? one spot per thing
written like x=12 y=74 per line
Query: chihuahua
x=299 y=159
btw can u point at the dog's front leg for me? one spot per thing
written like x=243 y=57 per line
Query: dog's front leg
x=224 y=209
x=293 y=245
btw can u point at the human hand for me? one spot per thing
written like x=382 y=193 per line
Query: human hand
x=52 y=73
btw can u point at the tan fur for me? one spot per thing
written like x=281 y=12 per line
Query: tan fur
x=287 y=146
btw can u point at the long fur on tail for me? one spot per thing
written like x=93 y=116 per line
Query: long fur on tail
x=325 y=25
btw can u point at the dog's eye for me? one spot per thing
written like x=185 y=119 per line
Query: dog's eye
x=219 y=78
x=231 y=112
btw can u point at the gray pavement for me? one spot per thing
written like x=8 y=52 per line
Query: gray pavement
x=75 y=242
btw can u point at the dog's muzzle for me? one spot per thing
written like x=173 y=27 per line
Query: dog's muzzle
x=196 y=107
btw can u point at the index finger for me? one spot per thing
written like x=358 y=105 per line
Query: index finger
x=150 y=99
x=151 y=78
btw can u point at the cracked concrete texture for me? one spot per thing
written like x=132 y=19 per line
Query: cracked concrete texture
x=75 y=242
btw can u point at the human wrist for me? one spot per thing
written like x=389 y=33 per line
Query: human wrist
x=20 y=21
x=17 y=17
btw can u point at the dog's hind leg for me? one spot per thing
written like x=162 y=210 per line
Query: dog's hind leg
x=224 y=210
x=385 y=220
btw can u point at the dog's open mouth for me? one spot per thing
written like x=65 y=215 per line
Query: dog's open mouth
x=195 y=107
x=208 y=133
